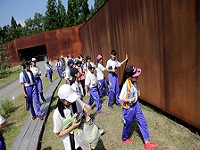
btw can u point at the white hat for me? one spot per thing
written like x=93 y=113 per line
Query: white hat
x=67 y=93
x=33 y=59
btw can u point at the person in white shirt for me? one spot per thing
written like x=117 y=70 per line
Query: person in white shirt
x=37 y=73
x=113 y=78
x=102 y=83
x=2 y=142
x=64 y=110
x=131 y=109
x=87 y=61
x=68 y=70
x=27 y=80
x=58 y=67
x=91 y=84
x=75 y=83
x=49 y=70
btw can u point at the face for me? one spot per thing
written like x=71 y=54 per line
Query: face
x=34 y=63
x=66 y=103
x=28 y=67
x=77 y=75
x=88 y=60
x=71 y=64
x=92 y=70
x=133 y=79
x=100 y=61
x=113 y=57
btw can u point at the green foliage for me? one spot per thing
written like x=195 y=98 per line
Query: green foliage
x=98 y=4
x=51 y=21
x=7 y=106
x=62 y=16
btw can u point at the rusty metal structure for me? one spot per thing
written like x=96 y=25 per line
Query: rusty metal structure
x=52 y=44
x=162 y=37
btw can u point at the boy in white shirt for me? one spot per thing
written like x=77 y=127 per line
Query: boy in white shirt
x=37 y=73
x=68 y=70
x=113 y=64
x=91 y=84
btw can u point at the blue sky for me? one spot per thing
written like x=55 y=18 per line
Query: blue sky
x=24 y=9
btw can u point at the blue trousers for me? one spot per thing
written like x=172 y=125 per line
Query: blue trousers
x=38 y=81
x=129 y=115
x=49 y=74
x=114 y=88
x=94 y=96
x=59 y=71
x=2 y=142
x=103 y=84
x=33 y=96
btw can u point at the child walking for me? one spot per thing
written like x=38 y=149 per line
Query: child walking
x=102 y=83
x=29 y=86
x=49 y=70
x=82 y=75
x=37 y=73
x=131 y=109
x=58 y=67
x=113 y=64
x=91 y=84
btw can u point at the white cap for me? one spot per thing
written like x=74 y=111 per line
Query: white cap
x=33 y=59
x=67 y=93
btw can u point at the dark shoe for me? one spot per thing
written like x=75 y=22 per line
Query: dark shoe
x=119 y=104
x=40 y=117
x=34 y=117
x=110 y=105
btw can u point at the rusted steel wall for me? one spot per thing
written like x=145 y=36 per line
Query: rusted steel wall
x=58 y=42
x=162 y=38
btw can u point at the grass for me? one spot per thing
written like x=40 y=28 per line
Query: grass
x=16 y=119
x=14 y=74
x=167 y=133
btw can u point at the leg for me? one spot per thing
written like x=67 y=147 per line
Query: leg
x=36 y=101
x=83 y=85
x=95 y=95
x=117 y=90
x=2 y=142
x=128 y=117
x=112 y=88
x=40 y=88
x=142 y=122
x=106 y=87
x=100 y=86
x=30 y=102
x=91 y=100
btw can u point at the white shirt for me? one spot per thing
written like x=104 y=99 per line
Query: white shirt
x=112 y=63
x=21 y=79
x=100 y=71
x=58 y=63
x=67 y=74
x=77 y=87
x=36 y=70
x=58 y=123
x=90 y=79
x=124 y=91
x=2 y=120
x=48 y=66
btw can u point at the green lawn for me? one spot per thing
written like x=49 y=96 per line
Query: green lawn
x=167 y=133
x=14 y=74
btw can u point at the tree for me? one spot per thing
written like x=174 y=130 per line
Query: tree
x=98 y=4
x=72 y=13
x=51 y=21
x=62 y=16
x=84 y=12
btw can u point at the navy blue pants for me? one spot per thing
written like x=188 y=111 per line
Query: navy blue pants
x=103 y=84
x=2 y=142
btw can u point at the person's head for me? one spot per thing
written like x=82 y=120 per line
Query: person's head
x=78 y=63
x=33 y=62
x=133 y=73
x=57 y=59
x=75 y=74
x=47 y=62
x=80 y=56
x=113 y=54
x=70 y=62
x=88 y=59
x=99 y=59
x=26 y=65
x=91 y=67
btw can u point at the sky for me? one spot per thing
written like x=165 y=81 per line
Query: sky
x=24 y=9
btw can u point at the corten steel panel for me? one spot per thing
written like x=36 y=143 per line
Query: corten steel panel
x=57 y=42
x=160 y=37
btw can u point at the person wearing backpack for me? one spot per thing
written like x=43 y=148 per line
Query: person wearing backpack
x=131 y=109
x=29 y=88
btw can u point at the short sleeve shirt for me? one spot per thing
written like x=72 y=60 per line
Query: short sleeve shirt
x=67 y=74
x=58 y=123
x=2 y=120
x=112 y=64
x=21 y=79
x=91 y=80
x=36 y=70
x=100 y=72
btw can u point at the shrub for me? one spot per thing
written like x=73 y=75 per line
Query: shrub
x=7 y=106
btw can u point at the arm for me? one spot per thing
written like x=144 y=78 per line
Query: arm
x=23 y=89
x=124 y=60
x=2 y=125
x=86 y=90
x=68 y=130
x=128 y=100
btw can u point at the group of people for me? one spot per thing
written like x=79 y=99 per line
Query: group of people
x=86 y=75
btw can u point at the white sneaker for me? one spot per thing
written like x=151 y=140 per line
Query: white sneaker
x=101 y=131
